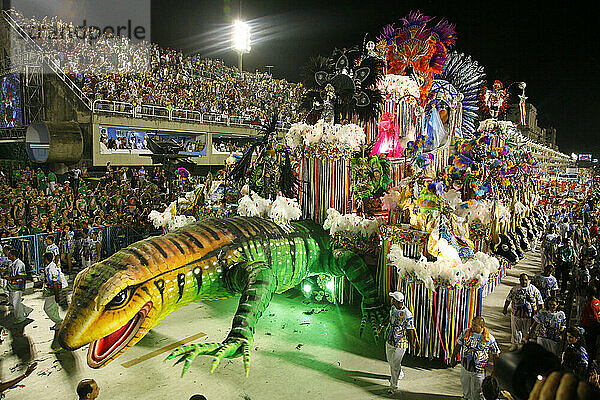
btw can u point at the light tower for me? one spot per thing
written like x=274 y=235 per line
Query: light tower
x=241 y=40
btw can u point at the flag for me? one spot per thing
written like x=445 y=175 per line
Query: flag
x=523 y=112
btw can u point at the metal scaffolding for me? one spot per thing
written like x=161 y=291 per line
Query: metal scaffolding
x=34 y=105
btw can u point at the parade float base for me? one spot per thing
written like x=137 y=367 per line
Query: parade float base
x=297 y=354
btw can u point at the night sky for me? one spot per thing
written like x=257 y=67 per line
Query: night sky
x=554 y=49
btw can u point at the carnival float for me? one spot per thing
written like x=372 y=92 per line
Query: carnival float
x=402 y=161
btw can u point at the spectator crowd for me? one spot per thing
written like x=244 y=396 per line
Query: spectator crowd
x=229 y=145
x=108 y=67
x=33 y=201
x=559 y=307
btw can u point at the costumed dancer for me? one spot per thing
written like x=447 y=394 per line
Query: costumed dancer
x=52 y=290
x=272 y=172
x=550 y=324
x=475 y=346
x=524 y=300
x=495 y=101
x=388 y=140
x=546 y=282
x=401 y=328
x=183 y=176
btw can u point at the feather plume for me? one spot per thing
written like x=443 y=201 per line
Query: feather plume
x=415 y=18
x=388 y=33
x=376 y=67
x=469 y=78
x=444 y=32
x=312 y=66
x=241 y=167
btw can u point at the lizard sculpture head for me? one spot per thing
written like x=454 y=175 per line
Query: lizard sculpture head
x=117 y=301
x=112 y=309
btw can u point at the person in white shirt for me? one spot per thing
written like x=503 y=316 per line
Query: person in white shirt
x=51 y=247
x=86 y=250
x=52 y=290
x=76 y=175
x=142 y=175
x=401 y=333
x=548 y=247
x=563 y=228
x=4 y=264
x=16 y=284
x=524 y=299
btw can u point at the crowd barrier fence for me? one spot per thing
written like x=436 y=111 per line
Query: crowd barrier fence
x=112 y=238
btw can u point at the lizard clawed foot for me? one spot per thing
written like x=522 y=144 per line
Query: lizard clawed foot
x=375 y=313
x=230 y=348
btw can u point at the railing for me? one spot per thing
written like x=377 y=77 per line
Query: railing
x=113 y=107
x=31 y=247
x=51 y=63
x=150 y=111
x=16 y=134
x=213 y=118
x=175 y=114
x=186 y=115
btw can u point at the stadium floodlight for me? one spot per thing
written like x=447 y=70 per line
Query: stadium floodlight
x=241 y=39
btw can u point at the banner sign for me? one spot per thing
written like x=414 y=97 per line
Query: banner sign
x=124 y=140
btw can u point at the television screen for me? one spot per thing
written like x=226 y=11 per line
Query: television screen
x=11 y=101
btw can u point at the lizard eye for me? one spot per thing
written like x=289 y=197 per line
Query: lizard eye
x=120 y=299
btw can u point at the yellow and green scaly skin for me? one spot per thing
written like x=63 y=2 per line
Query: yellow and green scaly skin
x=208 y=260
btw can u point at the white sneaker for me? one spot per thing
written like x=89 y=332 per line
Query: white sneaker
x=401 y=376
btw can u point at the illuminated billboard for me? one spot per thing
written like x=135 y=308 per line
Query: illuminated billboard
x=11 y=101
x=585 y=157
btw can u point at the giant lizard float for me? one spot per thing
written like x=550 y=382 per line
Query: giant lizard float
x=117 y=301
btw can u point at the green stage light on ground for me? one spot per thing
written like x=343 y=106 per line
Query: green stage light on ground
x=307 y=288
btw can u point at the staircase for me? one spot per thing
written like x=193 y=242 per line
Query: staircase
x=46 y=59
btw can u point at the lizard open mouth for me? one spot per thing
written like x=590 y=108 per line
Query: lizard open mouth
x=102 y=350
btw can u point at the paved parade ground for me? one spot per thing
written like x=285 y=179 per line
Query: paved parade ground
x=300 y=351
